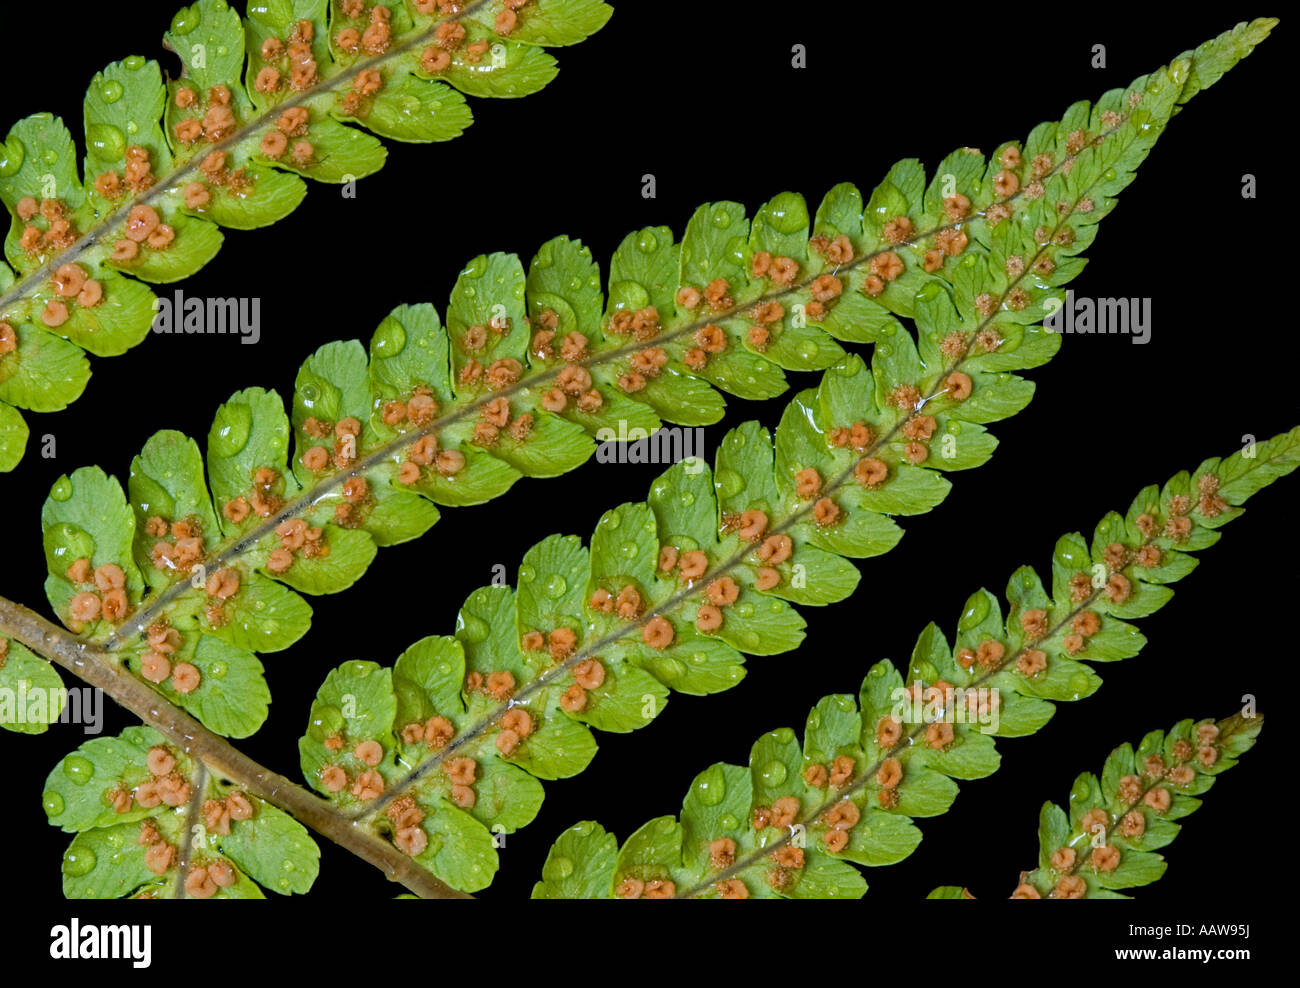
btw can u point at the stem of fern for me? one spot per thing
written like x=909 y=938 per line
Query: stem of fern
x=93 y=665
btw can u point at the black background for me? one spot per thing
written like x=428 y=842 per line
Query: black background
x=704 y=97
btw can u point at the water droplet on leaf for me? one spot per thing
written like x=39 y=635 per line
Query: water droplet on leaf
x=976 y=610
x=78 y=862
x=711 y=786
x=773 y=774
x=78 y=769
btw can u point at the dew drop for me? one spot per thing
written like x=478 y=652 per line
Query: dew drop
x=728 y=822
x=78 y=862
x=132 y=127
x=1070 y=556
x=686 y=498
x=628 y=549
x=975 y=611
x=390 y=338
x=698 y=658
x=78 y=769
x=526 y=573
x=647 y=242
x=186 y=20
x=473 y=630
x=807 y=350
x=111 y=91
x=325 y=721
x=773 y=774
x=1080 y=791
x=218 y=670
x=12 y=153
x=788 y=213
x=670 y=669
x=50 y=157
x=721 y=218
x=62 y=489
x=133 y=62
x=52 y=803
x=237 y=422
x=476 y=268
x=728 y=482
x=106 y=141
x=711 y=786
x=555 y=586
x=561 y=867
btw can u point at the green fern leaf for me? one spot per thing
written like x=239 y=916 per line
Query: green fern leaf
x=1114 y=823
x=792 y=822
x=527 y=369
x=129 y=798
x=268 y=516
x=290 y=92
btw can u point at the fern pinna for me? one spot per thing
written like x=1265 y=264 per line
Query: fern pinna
x=426 y=420
x=1114 y=823
x=794 y=821
x=286 y=93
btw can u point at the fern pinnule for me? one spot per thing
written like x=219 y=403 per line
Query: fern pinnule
x=789 y=823
x=1116 y=821
x=171 y=162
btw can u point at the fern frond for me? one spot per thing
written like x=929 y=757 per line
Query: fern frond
x=791 y=822
x=527 y=369
x=171 y=161
x=1114 y=824
x=848 y=519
